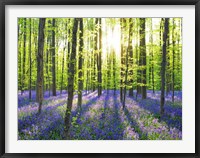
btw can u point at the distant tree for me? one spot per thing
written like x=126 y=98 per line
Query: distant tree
x=130 y=49
x=126 y=67
x=94 y=62
x=151 y=62
x=30 y=60
x=63 y=67
x=168 y=67
x=108 y=71
x=114 y=70
x=19 y=56
x=122 y=25
x=24 y=58
x=173 y=59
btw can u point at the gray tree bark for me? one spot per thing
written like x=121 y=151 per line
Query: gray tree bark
x=71 y=72
x=40 y=62
x=80 y=65
x=30 y=58
x=163 y=65
x=99 y=61
x=24 y=58
x=143 y=56
x=53 y=58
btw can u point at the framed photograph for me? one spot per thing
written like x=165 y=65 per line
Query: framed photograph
x=99 y=78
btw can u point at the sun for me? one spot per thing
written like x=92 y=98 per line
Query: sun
x=111 y=38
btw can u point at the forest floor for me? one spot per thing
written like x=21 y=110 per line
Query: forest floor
x=101 y=118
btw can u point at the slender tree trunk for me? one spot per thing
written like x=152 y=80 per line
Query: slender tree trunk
x=179 y=56
x=19 y=57
x=114 y=71
x=143 y=56
x=153 y=72
x=88 y=63
x=130 y=50
x=108 y=72
x=168 y=69
x=48 y=55
x=152 y=57
x=163 y=66
x=99 y=61
x=173 y=57
x=126 y=71
x=63 y=66
x=47 y=67
x=24 y=59
x=139 y=63
x=122 y=60
x=87 y=75
x=161 y=44
x=53 y=58
x=63 y=59
x=94 y=43
x=80 y=64
x=40 y=62
x=71 y=73
x=69 y=44
x=30 y=58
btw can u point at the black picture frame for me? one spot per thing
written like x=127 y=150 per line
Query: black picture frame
x=4 y=3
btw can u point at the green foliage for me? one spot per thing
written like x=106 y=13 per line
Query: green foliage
x=111 y=65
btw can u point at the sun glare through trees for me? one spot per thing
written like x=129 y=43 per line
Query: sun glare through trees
x=99 y=78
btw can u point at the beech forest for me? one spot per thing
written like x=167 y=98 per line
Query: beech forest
x=99 y=78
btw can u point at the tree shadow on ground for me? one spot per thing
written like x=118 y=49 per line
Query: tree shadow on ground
x=134 y=124
x=172 y=116
x=30 y=120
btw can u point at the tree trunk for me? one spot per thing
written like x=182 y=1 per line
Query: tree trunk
x=40 y=62
x=153 y=73
x=168 y=76
x=48 y=59
x=130 y=57
x=24 y=59
x=114 y=70
x=179 y=56
x=69 y=44
x=108 y=72
x=30 y=71
x=139 y=63
x=63 y=66
x=163 y=65
x=151 y=63
x=143 y=56
x=99 y=61
x=173 y=57
x=53 y=58
x=71 y=73
x=80 y=64
x=19 y=58
x=126 y=72
x=87 y=69
x=122 y=60
x=94 y=43
x=47 y=67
